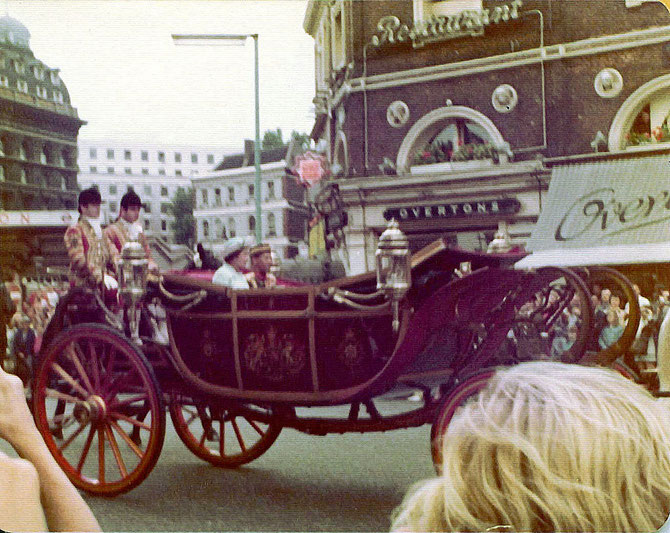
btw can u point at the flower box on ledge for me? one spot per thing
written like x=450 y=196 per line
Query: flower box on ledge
x=450 y=166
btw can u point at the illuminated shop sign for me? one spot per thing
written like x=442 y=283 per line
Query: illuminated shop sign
x=501 y=206
x=441 y=28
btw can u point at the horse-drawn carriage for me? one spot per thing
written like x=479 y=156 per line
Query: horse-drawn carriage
x=235 y=367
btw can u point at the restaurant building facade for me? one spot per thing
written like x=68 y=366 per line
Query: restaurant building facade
x=452 y=116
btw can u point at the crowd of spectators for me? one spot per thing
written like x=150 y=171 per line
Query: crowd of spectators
x=33 y=304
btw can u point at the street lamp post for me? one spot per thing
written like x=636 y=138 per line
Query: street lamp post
x=200 y=39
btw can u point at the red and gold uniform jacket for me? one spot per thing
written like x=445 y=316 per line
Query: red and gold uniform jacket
x=91 y=257
x=256 y=283
x=117 y=233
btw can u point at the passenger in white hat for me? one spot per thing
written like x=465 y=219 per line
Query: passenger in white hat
x=235 y=257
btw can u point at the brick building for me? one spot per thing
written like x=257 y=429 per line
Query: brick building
x=452 y=116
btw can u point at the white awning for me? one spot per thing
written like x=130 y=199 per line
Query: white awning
x=605 y=212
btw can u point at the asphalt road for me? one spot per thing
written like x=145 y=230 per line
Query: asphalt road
x=349 y=482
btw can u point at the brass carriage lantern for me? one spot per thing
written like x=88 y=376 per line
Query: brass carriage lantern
x=394 y=274
x=132 y=269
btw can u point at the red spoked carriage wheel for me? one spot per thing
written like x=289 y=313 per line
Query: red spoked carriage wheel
x=456 y=398
x=97 y=404
x=224 y=436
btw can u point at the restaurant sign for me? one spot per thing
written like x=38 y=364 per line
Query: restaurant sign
x=440 y=28
x=501 y=206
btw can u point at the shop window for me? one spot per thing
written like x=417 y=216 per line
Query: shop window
x=272 y=228
x=643 y=118
x=449 y=134
x=425 y=9
x=252 y=224
x=338 y=36
x=231 y=228
x=457 y=140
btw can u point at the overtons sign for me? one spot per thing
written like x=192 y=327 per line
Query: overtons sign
x=618 y=208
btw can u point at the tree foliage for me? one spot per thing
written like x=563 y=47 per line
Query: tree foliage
x=302 y=138
x=272 y=139
x=181 y=209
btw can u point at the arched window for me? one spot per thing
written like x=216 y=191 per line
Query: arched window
x=2 y=173
x=44 y=157
x=2 y=146
x=24 y=176
x=643 y=117
x=231 y=228
x=62 y=157
x=453 y=133
x=23 y=151
x=272 y=228
x=63 y=183
x=252 y=224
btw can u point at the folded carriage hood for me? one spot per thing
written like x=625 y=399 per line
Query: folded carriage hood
x=608 y=212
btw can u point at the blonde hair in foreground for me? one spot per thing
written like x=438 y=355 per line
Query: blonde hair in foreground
x=550 y=447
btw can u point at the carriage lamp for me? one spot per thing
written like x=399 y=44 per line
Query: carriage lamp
x=132 y=271
x=394 y=274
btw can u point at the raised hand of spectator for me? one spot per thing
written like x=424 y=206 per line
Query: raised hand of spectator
x=35 y=494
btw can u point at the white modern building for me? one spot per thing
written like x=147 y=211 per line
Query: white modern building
x=153 y=171
x=225 y=202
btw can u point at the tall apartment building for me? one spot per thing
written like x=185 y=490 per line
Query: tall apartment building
x=38 y=146
x=153 y=171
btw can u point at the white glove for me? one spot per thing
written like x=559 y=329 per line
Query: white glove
x=110 y=283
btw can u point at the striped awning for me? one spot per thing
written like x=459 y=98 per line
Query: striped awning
x=615 y=211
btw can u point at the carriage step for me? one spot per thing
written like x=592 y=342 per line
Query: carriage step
x=649 y=371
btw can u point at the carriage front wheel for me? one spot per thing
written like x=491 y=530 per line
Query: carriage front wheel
x=450 y=404
x=226 y=436
x=97 y=405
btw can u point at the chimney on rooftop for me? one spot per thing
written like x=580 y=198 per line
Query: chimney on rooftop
x=248 y=152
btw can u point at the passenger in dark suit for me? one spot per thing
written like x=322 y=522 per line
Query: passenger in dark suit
x=23 y=349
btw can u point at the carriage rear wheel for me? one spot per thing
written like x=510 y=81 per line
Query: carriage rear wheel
x=227 y=436
x=97 y=405
x=454 y=399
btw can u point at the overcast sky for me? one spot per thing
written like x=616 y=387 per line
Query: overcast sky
x=128 y=80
